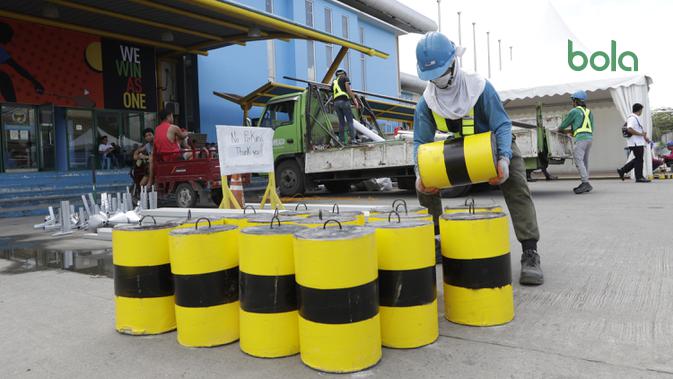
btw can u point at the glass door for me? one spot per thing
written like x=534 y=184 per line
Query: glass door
x=47 y=149
x=109 y=124
x=19 y=132
x=81 y=153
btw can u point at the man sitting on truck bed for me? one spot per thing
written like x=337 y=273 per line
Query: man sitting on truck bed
x=167 y=139
x=342 y=95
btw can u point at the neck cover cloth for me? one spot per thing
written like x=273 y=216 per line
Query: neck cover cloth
x=455 y=101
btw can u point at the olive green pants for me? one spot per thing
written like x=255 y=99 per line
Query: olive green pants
x=517 y=196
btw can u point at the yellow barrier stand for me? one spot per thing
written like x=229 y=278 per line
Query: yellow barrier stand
x=456 y=162
x=471 y=206
x=477 y=268
x=407 y=285
x=144 y=295
x=204 y=262
x=267 y=291
x=336 y=273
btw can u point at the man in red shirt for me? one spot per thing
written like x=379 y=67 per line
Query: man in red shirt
x=167 y=138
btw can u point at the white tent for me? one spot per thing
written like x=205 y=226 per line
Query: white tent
x=610 y=100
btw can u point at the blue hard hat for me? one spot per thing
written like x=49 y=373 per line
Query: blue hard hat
x=434 y=54
x=669 y=144
x=579 y=95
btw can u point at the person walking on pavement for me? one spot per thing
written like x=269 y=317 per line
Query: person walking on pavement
x=453 y=96
x=581 y=121
x=342 y=95
x=636 y=143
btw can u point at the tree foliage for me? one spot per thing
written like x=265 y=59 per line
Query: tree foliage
x=662 y=122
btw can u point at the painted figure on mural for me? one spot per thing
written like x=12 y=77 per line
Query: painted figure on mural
x=7 y=90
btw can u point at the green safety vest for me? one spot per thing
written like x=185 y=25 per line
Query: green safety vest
x=466 y=128
x=337 y=91
x=586 y=124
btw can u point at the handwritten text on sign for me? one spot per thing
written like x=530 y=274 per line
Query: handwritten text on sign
x=244 y=149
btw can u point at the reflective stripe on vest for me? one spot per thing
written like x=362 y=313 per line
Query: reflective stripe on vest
x=337 y=91
x=586 y=124
x=467 y=124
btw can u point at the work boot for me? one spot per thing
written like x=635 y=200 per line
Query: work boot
x=582 y=188
x=531 y=273
x=643 y=180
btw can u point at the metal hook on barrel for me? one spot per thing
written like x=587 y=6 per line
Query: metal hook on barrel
x=254 y=211
x=406 y=210
x=140 y=222
x=390 y=214
x=196 y=224
x=324 y=226
x=298 y=204
x=337 y=208
x=277 y=220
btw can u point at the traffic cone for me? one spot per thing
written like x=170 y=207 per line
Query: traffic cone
x=236 y=187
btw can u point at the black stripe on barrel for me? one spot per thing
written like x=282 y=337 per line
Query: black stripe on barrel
x=267 y=294
x=339 y=306
x=407 y=288
x=206 y=290
x=491 y=272
x=454 y=160
x=143 y=281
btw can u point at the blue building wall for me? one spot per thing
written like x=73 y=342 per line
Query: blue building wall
x=241 y=69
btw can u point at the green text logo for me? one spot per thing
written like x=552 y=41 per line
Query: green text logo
x=600 y=60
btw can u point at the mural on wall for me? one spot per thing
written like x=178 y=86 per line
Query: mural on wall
x=41 y=64
x=129 y=76
x=45 y=65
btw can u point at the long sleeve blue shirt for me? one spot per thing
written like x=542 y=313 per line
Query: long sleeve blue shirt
x=489 y=114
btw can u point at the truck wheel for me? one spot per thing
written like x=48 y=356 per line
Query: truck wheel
x=456 y=191
x=185 y=196
x=289 y=178
x=408 y=184
x=338 y=187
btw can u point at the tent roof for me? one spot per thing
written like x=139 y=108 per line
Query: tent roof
x=559 y=93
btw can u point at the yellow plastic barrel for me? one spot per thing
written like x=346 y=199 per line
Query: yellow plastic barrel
x=240 y=219
x=336 y=212
x=204 y=262
x=456 y=162
x=407 y=285
x=471 y=206
x=401 y=212
x=395 y=206
x=144 y=295
x=297 y=212
x=268 y=311
x=317 y=221
x=336 y=273
x=477 y=268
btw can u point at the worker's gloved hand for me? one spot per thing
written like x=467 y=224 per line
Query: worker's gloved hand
x=423 y=189
x=503 y=172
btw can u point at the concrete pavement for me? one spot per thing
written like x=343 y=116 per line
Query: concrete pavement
x=606 y=309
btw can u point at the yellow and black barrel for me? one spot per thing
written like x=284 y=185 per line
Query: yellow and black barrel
x=401 y=212
x=204 y=262
x=407 y=283
x=477 y=268
x=144 y=295
x=268 y=291
x=319 y=221
x=470 y=206
x=240 y=219
x=457 y=162
x=337 y=285
x=395 y=206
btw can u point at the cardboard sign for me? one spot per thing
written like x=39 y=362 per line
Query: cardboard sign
x=244 y=149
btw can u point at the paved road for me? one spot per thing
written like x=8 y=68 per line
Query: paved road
x=606 y=309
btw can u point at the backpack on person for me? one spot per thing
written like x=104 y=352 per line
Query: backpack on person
x=625 y=128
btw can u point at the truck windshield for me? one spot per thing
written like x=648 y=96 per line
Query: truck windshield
x=278 y=114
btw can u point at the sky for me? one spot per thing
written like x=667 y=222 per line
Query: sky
x=538 y=32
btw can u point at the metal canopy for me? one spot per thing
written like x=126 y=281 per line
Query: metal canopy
x=171 y=26
x=390 y=111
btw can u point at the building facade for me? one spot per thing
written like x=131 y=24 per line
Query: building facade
x=241 y=69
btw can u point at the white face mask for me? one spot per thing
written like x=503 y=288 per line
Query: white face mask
x=445 y=80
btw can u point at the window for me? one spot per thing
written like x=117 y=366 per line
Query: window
x=329 y=48
x=310 y=45
x=79 y=124
x=278 y=114
x=19 y=131
x=363 y=61
x=344 y=34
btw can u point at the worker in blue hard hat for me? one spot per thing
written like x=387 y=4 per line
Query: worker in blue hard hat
x=580 y=120
x=462 y=103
